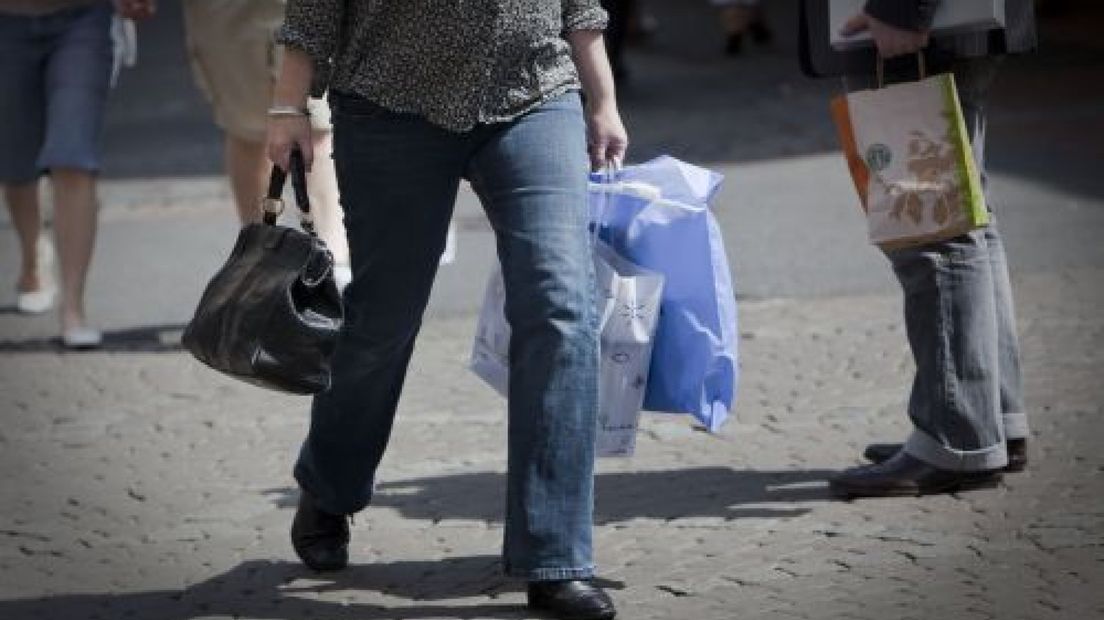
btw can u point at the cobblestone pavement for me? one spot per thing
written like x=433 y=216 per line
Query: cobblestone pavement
x=141 y=485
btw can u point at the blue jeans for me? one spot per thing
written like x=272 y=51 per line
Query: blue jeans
x=399 y=176
x=967 y=395
x=56 y=70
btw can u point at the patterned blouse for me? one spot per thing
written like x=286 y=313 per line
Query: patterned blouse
x=456 y=63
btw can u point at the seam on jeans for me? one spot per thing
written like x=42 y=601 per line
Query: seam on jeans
x=945 y=363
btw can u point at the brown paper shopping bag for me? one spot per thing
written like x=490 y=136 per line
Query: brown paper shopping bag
x=910 y=158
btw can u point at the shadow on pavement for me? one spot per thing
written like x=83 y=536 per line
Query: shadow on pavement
x=276 y=590
x=677 y=494
x=149 y=339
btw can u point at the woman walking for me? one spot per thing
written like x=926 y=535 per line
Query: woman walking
x=56 y=63
x=425 y=94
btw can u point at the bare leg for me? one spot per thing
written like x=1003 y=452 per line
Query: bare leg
x=75 y=215
x=247 y=167
x=322 y=186
x=22 y=202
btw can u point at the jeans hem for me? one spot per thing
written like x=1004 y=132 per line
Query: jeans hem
x=922 y=446
x=551 y=574
x=1015 y=426
x=326 y=504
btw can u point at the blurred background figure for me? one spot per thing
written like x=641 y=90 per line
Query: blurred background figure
x=740 y=18
x=56 y=62
x=235 y=63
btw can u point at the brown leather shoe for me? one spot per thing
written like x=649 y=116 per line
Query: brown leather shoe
x=905 y=476
x=1017 y=453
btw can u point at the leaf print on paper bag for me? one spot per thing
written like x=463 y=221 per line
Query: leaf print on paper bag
x=914 y=207
x=942 y=211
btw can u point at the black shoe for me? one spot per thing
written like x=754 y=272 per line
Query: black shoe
x=320 y=539
x=571 y=600
x=905 y=476
x=1017 y=453
x=760 y=32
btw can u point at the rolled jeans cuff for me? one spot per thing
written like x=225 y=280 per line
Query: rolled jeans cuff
x=551 y=574
x=922 y=446
x=1015 y=426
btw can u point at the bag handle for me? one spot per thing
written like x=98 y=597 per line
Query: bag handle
x=921 y=63
x=608 y=175
x=273 y=205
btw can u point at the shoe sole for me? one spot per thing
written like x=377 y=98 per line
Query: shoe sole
x=956 y=487
x=1011 y=468
x=552 y=612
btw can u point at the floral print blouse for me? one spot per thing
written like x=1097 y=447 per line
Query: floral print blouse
x=457 y=63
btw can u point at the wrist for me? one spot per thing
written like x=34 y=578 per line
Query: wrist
x=600 y=105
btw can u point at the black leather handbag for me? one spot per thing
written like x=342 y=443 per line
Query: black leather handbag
x=271 y=314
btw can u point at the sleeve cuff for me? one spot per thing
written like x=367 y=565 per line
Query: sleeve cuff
x=594 y=18
x=323 y=67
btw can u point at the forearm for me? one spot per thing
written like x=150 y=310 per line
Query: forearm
x=589 y=53
x=294 y=83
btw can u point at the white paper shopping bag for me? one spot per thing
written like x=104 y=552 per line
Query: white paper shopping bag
x=910 y=157
x=628 y=299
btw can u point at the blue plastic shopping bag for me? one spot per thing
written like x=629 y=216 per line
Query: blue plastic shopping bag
x=656 y=215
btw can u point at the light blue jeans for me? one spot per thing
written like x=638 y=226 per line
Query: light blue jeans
x=967 y=394
x=399 y=176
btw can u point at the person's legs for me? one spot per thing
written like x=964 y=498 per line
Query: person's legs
x=531 y=176
x=398 y=176
x=26 y=217
x=75 y=217
x=1010 y=381
x=739 y=17
x=248 y=169
x=22 y=127
x=950 y=318
x=957 y=304
x=77 y=80
x=975 y=77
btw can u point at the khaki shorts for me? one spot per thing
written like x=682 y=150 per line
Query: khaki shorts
x=235 y=62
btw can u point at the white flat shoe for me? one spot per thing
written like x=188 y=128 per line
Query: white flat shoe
x=35 y=302
x=81 y=338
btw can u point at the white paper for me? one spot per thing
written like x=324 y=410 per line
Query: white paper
x=628 y=300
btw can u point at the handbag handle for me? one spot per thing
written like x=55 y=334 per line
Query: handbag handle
x=273 y=204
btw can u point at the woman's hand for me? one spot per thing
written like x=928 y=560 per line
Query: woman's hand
x=607 y=139
x=286 y=133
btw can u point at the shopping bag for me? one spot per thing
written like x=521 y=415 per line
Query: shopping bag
x=656 y=215
x=910 y=157
x=628 y=306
